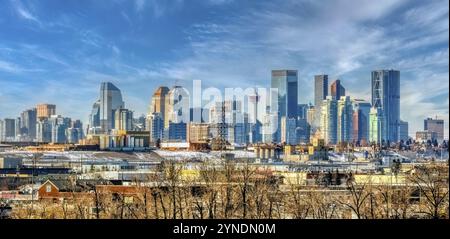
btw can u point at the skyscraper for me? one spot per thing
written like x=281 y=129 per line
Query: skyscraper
x=124 y=119
x=177 y=108
x=155 y=126
x=286 y=81
x=320 y=94
x=345 y=120
x=59 y=126
x=28 y=123
x=403 y=131
x=158 y=103
x=320 y=89
x=44 y=131
x=377 y=133
x=9 y=129
x=337 y=90
x=2 y=130
x=435 y=125
x=361 y=112
x=386 y=97
x=94 y=118
x=328 y=122
x=45 y=111
x=110 y=101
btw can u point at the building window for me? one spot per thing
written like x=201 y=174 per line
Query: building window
x=48 y=188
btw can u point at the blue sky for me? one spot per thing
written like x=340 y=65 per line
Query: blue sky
x=59 y=51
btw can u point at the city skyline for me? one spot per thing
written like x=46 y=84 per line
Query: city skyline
x=53 y=65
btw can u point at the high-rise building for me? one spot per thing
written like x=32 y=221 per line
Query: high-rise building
x=73 y=135
x=177 y=108
x=124 y=119
x=44 y=131
x=377 y=133
x=320 y=94
x=94 y=119
x=177 y=132
x=403 y=131
x=17 y=128
x=320 y=90
x=290 y=127
x=59 y=126
x=311 y=114
x=435 y=125
x=44 y=111
x=9 y=129
x=328 y=120
x=337 y=90
x=2 y=131
x=361 y=112
x=303 y=131
x=110 y=101
x=155 y=126
x=344 y=120
x=286 y=82
x=386 y=97
x=158 y=102
x=28 y=123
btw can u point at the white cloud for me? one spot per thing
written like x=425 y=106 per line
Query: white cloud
x=23 y=12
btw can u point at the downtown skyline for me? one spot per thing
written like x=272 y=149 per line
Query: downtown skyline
x=138 y=52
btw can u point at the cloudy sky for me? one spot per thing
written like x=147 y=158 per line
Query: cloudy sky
x=59 y=51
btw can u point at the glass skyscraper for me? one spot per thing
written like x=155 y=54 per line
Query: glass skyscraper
x=320 y=94
x=386 y=98
x=286 y=81
x=110 y=101
x=328 y=120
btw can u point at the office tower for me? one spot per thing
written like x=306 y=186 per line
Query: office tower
x=344 y=120
x=28 y=123
x=110 y=101
x=59 y=125
x=320 y=90
x=337 y=90
x=303 y=131
x=255 y=117
x=44 y=111
x=44 y=131
x=73 y=135
x=320 y=94
x=158 y=102
x=310 y=114
x=78 y=125
x=9 y=129
x=361 y=112
x=2 y=131
x=155 y=126
x=328 y=120
x=229 y=117
x=435 y=125
x=177 y=131
x=177 y=108
x=386 y=97
x=302 y=111
x=290 y=127
x=124 y=119
x=377 y=132
x=17 y=129
x=286 y=82
x=403 y=131
x=94 y=119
